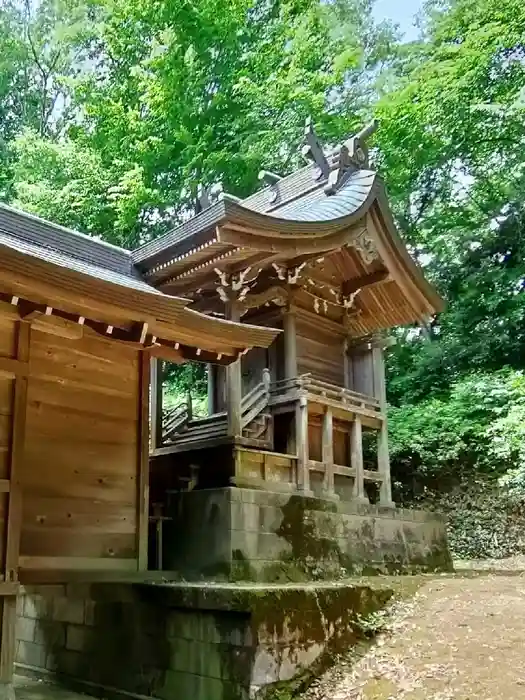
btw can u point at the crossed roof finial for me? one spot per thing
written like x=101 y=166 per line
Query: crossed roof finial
x=312 y=150
x=352 y=156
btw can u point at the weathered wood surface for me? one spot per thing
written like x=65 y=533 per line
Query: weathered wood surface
x=83 y=474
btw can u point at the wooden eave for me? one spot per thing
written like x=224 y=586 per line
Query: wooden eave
x=147 y=319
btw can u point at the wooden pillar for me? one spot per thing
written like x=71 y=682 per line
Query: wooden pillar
x=13 y=522
x=156 y=376
x=290 y=345
x=301 y=444
x=356 y=460
x=347 y=367
x=233 y=383
x=383 y=457
x=328 y=453
x=143 y=461
x=212 y=383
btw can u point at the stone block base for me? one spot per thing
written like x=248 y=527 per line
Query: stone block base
x=184 y=641
x=244 y=534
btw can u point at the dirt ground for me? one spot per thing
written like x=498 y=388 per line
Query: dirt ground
x=458 y=638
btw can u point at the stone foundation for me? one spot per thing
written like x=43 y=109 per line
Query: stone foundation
x=243 y=534
x=186 y=642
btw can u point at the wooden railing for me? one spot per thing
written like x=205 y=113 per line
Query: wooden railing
x=179 y=425
x=256 y=400
x=175 y=419
x=286 y=390
x=352 y=400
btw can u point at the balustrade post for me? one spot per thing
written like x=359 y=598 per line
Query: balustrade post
x=266 y=380
x=356 y=460
x=328 y=453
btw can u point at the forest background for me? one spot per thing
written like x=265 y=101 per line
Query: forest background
x=113 y=112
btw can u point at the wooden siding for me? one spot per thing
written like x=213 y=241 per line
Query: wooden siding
x=320 y=353
x=81 y=464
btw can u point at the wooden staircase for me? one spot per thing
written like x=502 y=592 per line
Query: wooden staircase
x=180 y=428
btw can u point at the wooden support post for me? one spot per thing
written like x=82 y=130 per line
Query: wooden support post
x=356 y=460
x=347 y=367
x=301 y=444
x=143 y=462
x=383 y=458
x=290 y=345
x=328 y=453
x=156 y=403
x=13 y=523
x=212 y=382
x=234 y=383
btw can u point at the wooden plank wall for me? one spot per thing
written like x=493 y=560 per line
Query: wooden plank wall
x=81 y=468
x=319 y=352
x=341 y=440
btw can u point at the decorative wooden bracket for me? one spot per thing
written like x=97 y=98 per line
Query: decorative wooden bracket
x=364 y=244
x=235 y=287
x=289 y=275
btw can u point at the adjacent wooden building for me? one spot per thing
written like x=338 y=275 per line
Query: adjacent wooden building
x=317 y=255
x=78 y=329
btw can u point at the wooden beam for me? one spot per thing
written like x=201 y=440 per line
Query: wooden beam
x=143 y=462
x=9 y=588
x=234 y=384
x=351 y=286
x=301 y=445
x=28 y=310
x=290 y=345
x=13 y=368
x=212 y=388
x=383 y=457
x=61 y=327
x=156 y=403
x=290 y=246
x=328 y=453
x=60 y=566
x=13 y=525
x=164 y=352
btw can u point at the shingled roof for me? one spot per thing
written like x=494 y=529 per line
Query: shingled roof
x=31 y=248
x=335 y=206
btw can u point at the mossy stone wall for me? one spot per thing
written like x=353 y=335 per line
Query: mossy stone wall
x=177 y=641
x=244 y=534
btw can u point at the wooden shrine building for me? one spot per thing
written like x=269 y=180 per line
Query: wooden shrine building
x=78 y=327
x=317 y=255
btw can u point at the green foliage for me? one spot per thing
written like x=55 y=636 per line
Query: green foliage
x=473 y=430
x=483 y=521
x=451 y=147
x=211 y=92
x=67 y=182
